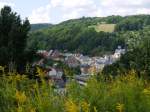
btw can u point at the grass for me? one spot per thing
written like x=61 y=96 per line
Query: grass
x=104 y=27
x=120 y=94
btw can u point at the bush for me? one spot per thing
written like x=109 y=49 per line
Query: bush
x=102 y=94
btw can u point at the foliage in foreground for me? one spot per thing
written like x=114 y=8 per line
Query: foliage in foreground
x=137 y=56
x=120 y=94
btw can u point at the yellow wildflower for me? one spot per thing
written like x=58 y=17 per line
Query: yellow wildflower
x=32 y=110
x=95 y=110
x=23 y=77
x=35 y=86
x=2 y=69
x=20 y=97
x=19 y=109
x=85 y=106
x=146 y=91
x=70 y=106
x=40 y=72
x=18 y=77
x=10 y=78
x=120 y=107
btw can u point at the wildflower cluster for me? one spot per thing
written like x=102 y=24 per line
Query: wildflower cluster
x=120 y=94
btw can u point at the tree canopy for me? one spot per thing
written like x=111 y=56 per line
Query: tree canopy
x=76 y=36
x=13 y=37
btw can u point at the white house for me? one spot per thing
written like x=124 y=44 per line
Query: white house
x=55 y=73
x=118 y=52
x=52 y=72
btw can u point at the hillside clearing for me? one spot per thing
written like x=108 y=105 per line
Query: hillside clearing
x=104 y=27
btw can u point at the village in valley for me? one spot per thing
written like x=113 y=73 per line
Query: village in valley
x=85 y=66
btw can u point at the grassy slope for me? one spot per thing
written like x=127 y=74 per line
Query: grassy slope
x=104 y=27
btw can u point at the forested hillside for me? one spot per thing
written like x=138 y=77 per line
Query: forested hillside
x=40 y=26
x=76 y=35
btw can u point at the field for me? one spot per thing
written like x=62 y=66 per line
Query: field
x=120 y=94
x=104 y=27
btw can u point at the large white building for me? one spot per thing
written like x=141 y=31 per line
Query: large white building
x=118 y=52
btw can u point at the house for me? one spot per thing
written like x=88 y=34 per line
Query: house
x=72 y=62
x=42 y=53
x=92 y=70
x=84 y=69
x=67 y=54
x=50 y=52
x=118 y=52
x=77 y=55
x=85 y=60
x=55 y=75
x=56 y=55
x=39 y=63
x=99 y=66
x=82 y=79
x=52 y=72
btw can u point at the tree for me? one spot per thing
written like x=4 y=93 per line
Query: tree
x=13 y=38
x=137 y=59
x=129 y=24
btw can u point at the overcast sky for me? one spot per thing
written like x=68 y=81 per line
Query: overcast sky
x=55 y=11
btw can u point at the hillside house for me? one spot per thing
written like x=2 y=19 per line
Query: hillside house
x=92 y=70
x=52 y=72
x=72 y=62
x=118 y=52
x=56 y=55
x=42 y=53
x=84 y=69
x=85 y=60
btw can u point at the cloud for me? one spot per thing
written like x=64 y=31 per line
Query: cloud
x=71 y=15
x=120 y=3
x=126 y=7
x=6 y=0
x=71 y=9
x=60 y=10
x=40 y=15
x=64 y=9
x=71 y=4
x=56 y=3
x=143 y=11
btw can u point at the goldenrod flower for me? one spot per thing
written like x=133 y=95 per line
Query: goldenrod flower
x=19 y=109
x=40 y=72
x=2 y=69
x=95 y=110
x=23 y=77
x=35 y=86
x=20 y=97
x=18 y=77
x=70 y=106
x=85 y=106
x=146 y=91
x=32 y=110
x=10 y=78
x=120 y=107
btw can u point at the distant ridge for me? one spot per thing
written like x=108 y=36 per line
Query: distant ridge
x=40 y=26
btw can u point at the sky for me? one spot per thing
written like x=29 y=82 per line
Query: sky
x=56 y=11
